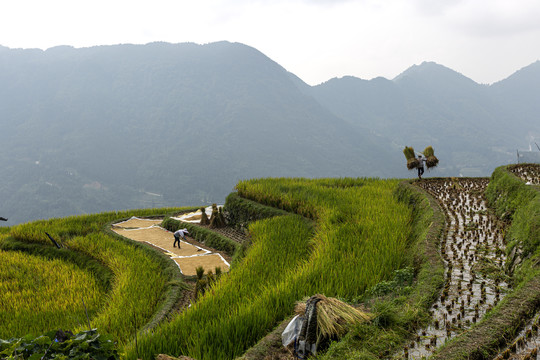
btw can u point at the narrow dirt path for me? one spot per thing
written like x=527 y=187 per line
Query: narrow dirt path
x=473 y=252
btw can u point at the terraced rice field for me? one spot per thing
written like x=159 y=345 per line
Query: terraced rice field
x=473 y=252
x=526 y=345
x=530 y=173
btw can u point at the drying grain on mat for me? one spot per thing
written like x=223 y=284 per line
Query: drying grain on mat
x=208 y=262
x=137 y=223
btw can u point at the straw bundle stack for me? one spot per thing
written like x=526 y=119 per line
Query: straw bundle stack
x=217 y=219
x=431 y=159
x=412 y=161
x=204 y=217
x=334 y=317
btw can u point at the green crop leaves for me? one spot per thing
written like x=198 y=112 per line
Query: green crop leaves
x=85 y=345
x=358 y=237
x=143 y=287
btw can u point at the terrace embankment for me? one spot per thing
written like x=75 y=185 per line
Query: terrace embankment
x=526 y=344
x=472 y=249
x=530 y=173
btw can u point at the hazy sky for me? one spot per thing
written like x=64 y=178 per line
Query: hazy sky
x=486 y=40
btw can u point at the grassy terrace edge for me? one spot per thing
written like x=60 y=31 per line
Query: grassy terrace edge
x=520 y=203
x=289 y=260
x=175 y=284
x=240 y=212
x=87 y=236
x=401 y=313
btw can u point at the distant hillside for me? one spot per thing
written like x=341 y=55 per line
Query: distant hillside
x=130 y=126
x=520 y=93
x=472 y=127
x=113 y=127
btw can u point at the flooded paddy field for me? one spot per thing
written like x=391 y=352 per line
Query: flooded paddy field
x=530 y=173
x=473 y=252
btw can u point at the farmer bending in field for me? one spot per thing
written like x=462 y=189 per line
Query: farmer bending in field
x=177 y=234
x=420 y=166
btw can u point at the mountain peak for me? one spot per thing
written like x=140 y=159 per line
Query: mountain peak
x=526 y=75
x=430 y=69
x=430 y=76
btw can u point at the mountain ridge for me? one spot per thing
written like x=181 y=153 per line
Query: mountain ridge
x=99 y=128
x=172 y=121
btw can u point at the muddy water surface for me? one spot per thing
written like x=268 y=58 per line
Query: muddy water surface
x=473 y=252
x=530 y=173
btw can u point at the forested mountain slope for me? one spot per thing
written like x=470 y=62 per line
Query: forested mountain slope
x=112 y=127
x=128 y=126
x=473 y=127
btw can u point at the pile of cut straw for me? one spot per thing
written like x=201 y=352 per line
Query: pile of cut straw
x=334 y=317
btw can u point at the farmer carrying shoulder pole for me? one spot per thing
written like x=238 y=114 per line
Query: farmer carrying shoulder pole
x=428 y=157
x=179 y=233
x=420 y=166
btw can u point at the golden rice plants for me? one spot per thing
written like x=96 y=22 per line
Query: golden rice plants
x=139 y=279
x=204 y=217
x=39 y=294
x=334 y=317
x=137 y=288
x=231 y=316
x=360 y=237
x=409 y=152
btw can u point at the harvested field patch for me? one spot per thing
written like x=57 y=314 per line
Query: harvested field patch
x=526 y=344
x=161 y=238
x=229 y=232
x=187 y=256
x=208 y=262
x=135 y=222
x=195 y=216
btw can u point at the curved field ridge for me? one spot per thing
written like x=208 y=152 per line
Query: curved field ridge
x=473 y=253
x=400 y=313
x=360 y=236
x=519 y=203
x=530 y=173
x=145 y=283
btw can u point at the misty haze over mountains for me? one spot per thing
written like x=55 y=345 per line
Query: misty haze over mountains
x=128 y=126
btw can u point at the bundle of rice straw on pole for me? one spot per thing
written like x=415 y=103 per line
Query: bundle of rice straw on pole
x=334 y=317
x=412 y=161
x=431 y=159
